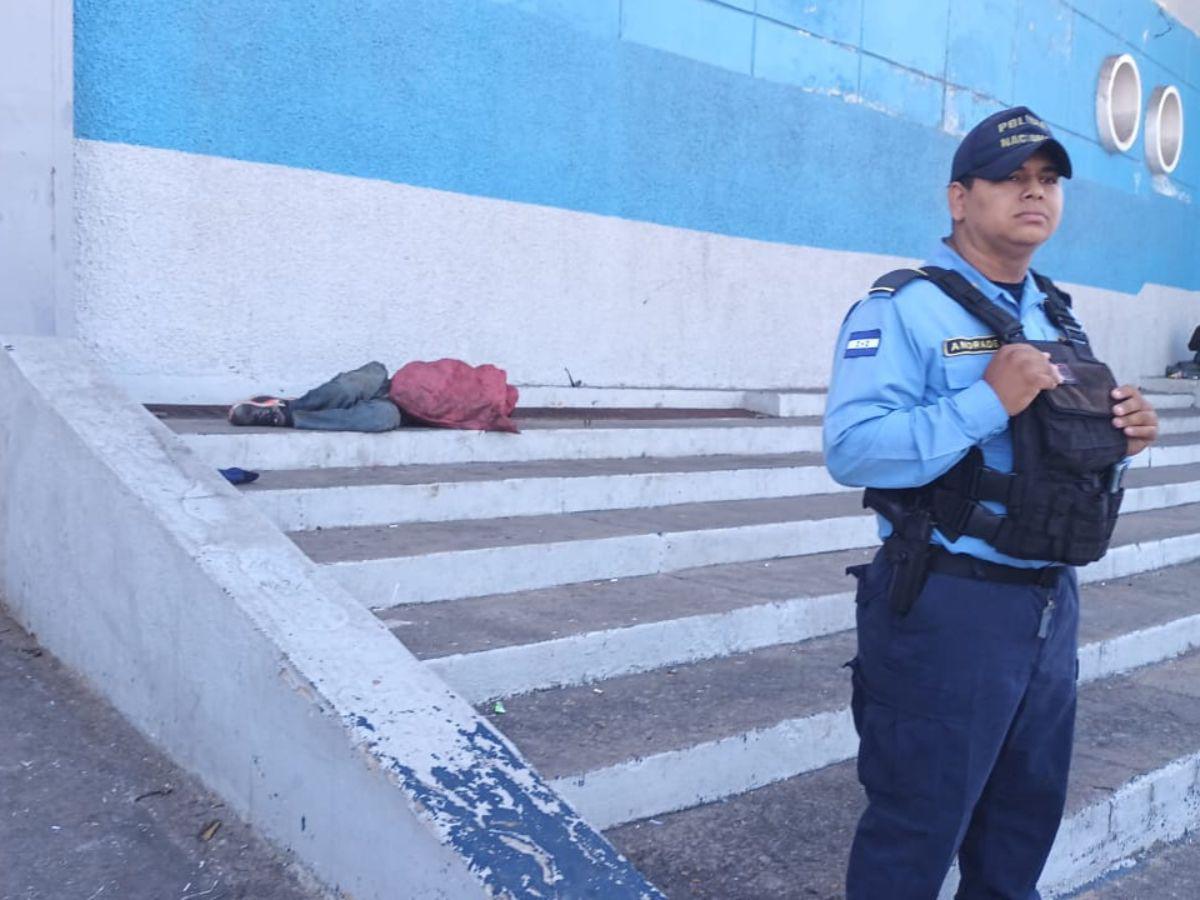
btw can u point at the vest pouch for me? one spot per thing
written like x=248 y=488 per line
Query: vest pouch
x=1075 y=418
x=1062 y=518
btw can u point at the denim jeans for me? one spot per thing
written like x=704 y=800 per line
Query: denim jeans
x=352 y=401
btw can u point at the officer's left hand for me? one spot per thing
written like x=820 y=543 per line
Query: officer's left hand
x=1134 y=415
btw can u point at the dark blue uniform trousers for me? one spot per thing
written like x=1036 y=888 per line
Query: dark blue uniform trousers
x=965 y=709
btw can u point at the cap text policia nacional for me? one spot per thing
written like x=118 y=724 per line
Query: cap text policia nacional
x=1000 y=144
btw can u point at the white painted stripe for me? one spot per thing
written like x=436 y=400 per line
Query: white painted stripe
x=596 y=655
x=1160 y=496
x=1161 y=385
x=1162 y=805
x=1130 y=559
x=448 y=575
x=1179 y=424
x=1138 y=648
x=862 y=344
x=1153 y=807
x=298 y=509
x=288 y=449
x=679 y=779
x=558 y=397
x=1172 y=401
x=786 y=403
x=1158 y=456
x=383 y=583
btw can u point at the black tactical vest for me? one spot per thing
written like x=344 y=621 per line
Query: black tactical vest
x=1063 y=495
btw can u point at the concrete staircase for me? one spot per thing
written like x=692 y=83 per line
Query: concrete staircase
x=655 y=611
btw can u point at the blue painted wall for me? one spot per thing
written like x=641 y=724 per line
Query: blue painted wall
x=828 y=124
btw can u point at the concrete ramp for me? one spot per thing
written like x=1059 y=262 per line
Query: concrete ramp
x=137 y=565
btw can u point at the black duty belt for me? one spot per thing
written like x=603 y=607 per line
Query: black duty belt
x=964 y=566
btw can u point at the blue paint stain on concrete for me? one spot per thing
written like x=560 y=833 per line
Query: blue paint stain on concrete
x=520 y=839
x=491 y=99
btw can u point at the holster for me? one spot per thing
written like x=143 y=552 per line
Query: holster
x=907 y=548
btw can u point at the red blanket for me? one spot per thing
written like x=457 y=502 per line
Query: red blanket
x=453 y=394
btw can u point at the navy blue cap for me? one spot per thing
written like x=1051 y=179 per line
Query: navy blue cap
x=1000 y=144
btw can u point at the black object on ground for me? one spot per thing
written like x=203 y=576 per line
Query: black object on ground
x=1188 y=368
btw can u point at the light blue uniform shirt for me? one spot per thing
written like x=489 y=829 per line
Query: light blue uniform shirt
x=903 y=409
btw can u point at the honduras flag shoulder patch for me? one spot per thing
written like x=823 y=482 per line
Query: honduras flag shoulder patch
x=862 y=343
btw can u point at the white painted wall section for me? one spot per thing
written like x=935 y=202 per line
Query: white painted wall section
x=204 y=279
x=277 y=278
x=36 y=159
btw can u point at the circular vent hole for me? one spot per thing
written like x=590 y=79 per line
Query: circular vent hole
x=1119 y=102
x=1164 y=129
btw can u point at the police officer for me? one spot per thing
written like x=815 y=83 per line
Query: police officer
x=964 y=682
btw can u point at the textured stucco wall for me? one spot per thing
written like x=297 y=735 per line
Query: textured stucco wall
x=285 y=275
x=679 y=179
x=36 y=158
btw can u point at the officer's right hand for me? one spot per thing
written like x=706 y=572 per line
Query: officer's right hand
x=1017 y=373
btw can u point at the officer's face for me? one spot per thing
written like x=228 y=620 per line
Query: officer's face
x=1022 y=210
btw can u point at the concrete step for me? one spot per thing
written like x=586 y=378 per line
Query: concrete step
x=541 y=439
x=305 y=499
x=792 y=402
x=574 y=634
x=386 y=566
x=423 y=562
x=787 y=403
x=1173 y=401
x=1161 y=486
x=1170 y=450
x=1135 y=781
x=588 y=397
x=750 y=718
x=1160 y=385
x=223 y=445
x=1178 y=421
x=1167 y=871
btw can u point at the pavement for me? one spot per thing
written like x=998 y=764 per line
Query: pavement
x=90 y=810
x=1166 y=872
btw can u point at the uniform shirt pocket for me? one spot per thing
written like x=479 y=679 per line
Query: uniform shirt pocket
x=963 y=371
